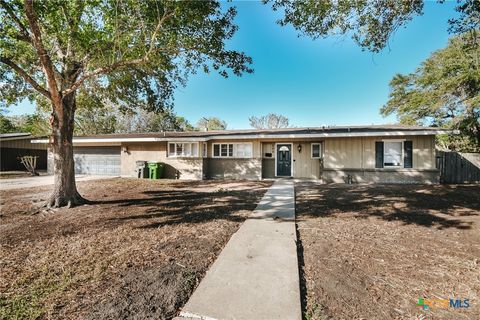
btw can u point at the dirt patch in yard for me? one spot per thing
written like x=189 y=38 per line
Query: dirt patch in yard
x=137 y=252
x=371 y=251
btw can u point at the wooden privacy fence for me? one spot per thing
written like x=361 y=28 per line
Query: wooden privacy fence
x=456 y=167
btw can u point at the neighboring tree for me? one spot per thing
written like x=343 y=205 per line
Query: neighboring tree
x=37 y=124
x=370 y=23
x=270 y=121
x=444 y=91
x=142 y=121
x=130 y=53
x=6 y=125
x=93 y=116
x=183 y=124
x=212 y=123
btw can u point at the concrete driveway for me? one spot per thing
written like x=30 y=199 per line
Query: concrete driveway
x=39 y=181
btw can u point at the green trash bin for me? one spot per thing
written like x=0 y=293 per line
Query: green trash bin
x=155 y=170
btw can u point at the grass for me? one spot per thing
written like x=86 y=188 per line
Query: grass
x=28 y=303
x=140 y=248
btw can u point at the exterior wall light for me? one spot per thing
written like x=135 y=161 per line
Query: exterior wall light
x=299 y=148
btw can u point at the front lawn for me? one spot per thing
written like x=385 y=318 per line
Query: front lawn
x=137 y=252
x=371 y=251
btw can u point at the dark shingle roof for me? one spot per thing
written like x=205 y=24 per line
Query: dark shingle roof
x=14 y=135
x=309 y=130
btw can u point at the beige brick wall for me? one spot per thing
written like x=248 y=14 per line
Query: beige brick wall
x=223 y=168
x=188 y=168
x=339 y=154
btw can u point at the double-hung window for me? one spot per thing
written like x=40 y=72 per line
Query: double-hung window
x=232 y=150
x=316 y=151
x=393 y=154
x=183 y=149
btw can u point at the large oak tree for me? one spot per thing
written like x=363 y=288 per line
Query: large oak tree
x=444 y=91
x=130 y=53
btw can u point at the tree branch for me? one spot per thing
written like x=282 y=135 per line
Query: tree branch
x=25 y=36
x=25 y=76
x=42 y=53
x=121 y=64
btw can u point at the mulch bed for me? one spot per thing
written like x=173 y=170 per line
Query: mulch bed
x=371 y=251
x=137 y=252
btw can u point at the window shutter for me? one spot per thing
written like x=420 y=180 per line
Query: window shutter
x=407 y=154
x=378 y=154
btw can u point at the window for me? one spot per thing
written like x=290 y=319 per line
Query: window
x=316 y=150
x=393 y=154
x=183 y=149
x=232 y=150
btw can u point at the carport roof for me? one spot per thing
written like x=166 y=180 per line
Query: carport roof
x=18 y=136
x=310 y=132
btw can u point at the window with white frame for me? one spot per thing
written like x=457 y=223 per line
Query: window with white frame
x=183 y=149
x=316 y=150
x=393 y=154
x=232 y=150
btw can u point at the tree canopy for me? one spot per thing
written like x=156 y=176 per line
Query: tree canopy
x=269 y=121
x=129 y=53
x=369 y=23
x=444 y=91
x=108 y=119
x=212 y=123
x=36 y=124
x=6 y=125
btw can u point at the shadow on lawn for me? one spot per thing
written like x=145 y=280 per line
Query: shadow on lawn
x=414 y=204
x=170 y=207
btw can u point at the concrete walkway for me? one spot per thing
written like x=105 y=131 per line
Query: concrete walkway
x=256 y=274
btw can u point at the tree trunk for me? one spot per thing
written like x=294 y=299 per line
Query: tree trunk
x=65 y=190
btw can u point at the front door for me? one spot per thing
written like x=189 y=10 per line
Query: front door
x=284 y=160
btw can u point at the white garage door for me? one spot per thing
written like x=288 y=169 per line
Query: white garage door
x=97 y=160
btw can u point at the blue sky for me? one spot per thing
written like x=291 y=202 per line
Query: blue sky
x=323 y=82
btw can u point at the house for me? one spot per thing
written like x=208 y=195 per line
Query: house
x=15 y=145
x=383 y=154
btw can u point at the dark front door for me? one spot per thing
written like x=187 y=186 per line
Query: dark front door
x=284 y=160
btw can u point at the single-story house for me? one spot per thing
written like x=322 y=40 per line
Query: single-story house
x=380 y=153
x=16 y=145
